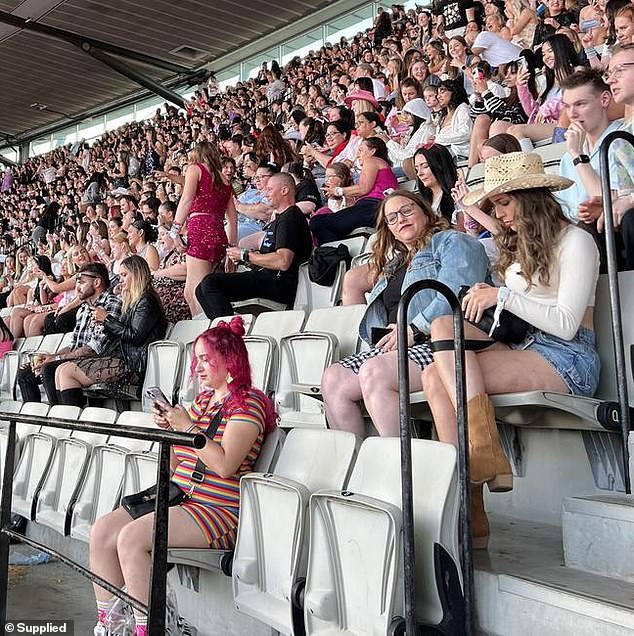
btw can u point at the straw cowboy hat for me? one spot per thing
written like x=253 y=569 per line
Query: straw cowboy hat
x=514 y=171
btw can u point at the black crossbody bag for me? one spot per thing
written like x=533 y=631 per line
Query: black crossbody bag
x=141 y=503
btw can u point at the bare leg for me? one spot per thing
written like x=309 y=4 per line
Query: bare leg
x=379 y=385
x=479 y=133
x=70 y=376
x=18 y=296
x=34 y=324
x=16 y=321
x=442 y=408
x=342 y=393
x=103 y=550
x=355 y=284
x=498 y=127
x=534 y=132
x=197 y=269
x=134 y=547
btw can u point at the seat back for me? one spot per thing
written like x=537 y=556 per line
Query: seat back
x=10 y=365
x=603 y=328
x=270 y=554
x=270 y=451
x=188 y=330
x=69 y=463
x=133 y=418
x=277 y=324
x=329 y=334
x=164 y=359
x=12 y=406
x=360 y=590
x=67 y=341
x=262 y=352
x=51 y=342
x=310 y=296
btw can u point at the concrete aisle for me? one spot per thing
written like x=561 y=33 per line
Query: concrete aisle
x=51 y=591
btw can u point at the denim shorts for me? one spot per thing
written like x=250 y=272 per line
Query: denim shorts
x=576 y=360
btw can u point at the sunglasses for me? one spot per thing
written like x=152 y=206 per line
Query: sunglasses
x=86 y=274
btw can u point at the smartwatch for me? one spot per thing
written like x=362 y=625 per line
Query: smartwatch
x=580 y=159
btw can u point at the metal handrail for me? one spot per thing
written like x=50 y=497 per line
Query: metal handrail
x=158 y=573
x=615 y=297
x=409 y=564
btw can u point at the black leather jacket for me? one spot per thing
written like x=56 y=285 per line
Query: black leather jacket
x=140 y=325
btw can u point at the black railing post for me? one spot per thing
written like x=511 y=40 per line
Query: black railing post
x=5 y=521
x=158 y=576
x=409 y=556
x=615 y=297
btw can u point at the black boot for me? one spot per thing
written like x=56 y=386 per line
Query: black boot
x=73 y=397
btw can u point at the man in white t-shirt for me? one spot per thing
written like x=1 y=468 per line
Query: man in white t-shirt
x=495 y=49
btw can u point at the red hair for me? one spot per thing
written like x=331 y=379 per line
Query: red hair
x=225 y=339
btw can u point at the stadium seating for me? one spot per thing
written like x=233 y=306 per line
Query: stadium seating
x=270 y=554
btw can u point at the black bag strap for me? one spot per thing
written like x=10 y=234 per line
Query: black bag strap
x=198 y=474
x=469 y=345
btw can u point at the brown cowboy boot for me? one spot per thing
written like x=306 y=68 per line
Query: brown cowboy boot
x=479 y=520
x=487 y=459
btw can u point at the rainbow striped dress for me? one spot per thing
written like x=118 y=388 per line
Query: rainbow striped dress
x=214 y=502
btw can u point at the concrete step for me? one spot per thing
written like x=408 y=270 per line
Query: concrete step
x=524 y=589
x=598 y=534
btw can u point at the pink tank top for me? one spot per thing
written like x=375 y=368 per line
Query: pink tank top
x=210 y=198
x=385 y=179
x=5 y=345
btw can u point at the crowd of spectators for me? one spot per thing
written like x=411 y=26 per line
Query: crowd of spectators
x=258 y=175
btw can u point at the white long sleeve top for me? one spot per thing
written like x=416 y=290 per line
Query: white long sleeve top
x=558 y=308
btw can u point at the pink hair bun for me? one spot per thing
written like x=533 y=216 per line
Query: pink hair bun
x=237 y=326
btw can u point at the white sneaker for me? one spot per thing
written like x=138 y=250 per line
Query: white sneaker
x=100 y=630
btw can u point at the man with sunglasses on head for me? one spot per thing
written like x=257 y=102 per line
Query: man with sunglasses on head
x=89 y=338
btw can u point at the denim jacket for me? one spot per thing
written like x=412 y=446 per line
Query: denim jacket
x=451 y=257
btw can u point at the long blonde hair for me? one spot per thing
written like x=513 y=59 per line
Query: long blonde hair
x=141 y=281
x=539 y=221
x=208 y=153
x=386 y=247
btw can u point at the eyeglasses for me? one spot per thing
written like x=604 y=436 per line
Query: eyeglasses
x=617 y=71
x=332 y=134
x=261 y=177
x=405 y=211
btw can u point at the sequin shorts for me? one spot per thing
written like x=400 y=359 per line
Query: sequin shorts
x=206 y=238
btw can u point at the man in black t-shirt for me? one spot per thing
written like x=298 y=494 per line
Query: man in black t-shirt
x=287 y=244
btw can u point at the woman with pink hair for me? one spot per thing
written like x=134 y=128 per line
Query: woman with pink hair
x=207 y=517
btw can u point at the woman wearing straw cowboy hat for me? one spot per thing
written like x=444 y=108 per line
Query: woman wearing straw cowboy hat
x=550 y=269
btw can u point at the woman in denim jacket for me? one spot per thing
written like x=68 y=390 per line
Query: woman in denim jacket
x=412 y=244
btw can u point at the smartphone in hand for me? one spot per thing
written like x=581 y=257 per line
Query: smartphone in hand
x=157 y=396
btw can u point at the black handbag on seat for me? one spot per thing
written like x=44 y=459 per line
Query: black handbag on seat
x=143 y=502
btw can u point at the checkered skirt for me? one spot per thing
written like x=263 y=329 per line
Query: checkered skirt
x=420 y=354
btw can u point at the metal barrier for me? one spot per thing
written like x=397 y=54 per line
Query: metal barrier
x=409 y=564
x=158 y=573
x=615 y=298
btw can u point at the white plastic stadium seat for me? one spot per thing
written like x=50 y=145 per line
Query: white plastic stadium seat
x=35 y=461
x=100 y=490
x=69 y=462
x=11 y=362
x=167 y=359
x=354 y=580
x=209 y=559
x=270 y=554
x=329 y=334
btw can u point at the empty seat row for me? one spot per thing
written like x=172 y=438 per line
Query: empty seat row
x=325 y=526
